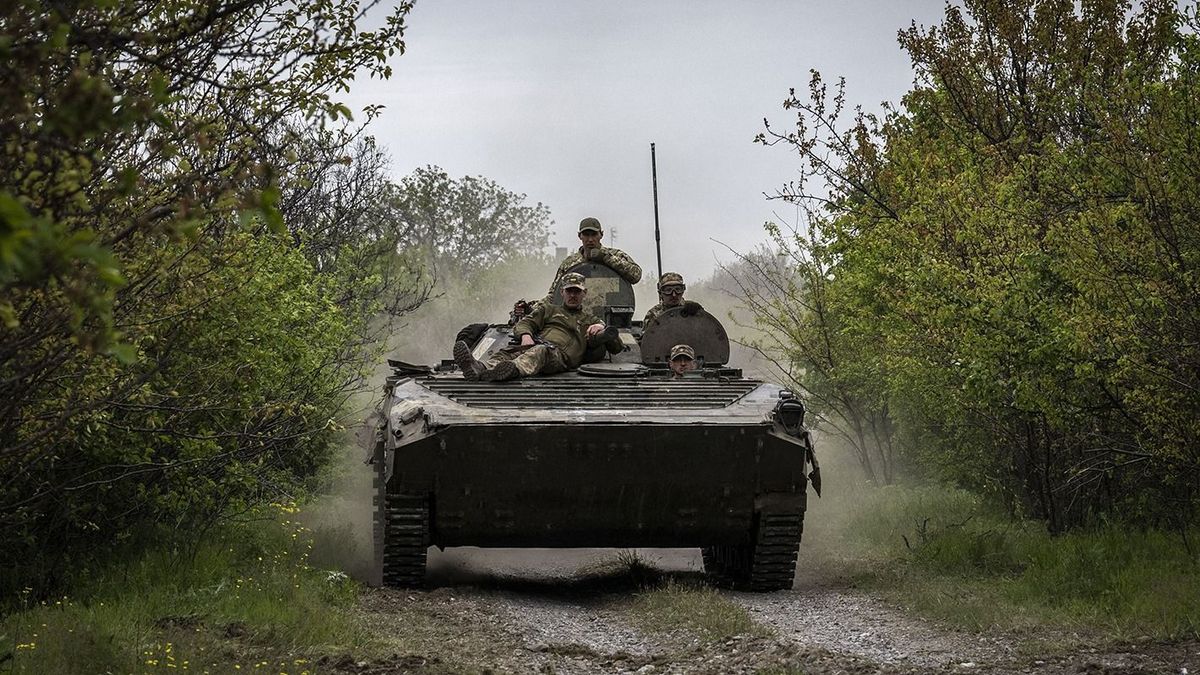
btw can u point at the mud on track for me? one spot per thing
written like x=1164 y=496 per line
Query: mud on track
x=569 y=611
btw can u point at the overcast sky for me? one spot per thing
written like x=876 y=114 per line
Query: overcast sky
x=561 y=100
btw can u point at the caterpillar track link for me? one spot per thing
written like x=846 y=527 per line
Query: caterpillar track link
x=767 y=564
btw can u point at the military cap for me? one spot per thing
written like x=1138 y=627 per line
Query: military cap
x=682 y=351
x=590 y=224
x=670 y=279
x=572 y=280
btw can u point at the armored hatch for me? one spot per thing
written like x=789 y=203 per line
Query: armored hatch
x=616 y=454
x=609 y=297
x=702 y=331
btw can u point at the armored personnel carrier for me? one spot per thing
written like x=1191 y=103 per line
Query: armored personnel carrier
x=615 y=454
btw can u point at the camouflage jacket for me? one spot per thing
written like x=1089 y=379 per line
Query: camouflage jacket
x=562 y=327
x=689 y=308
x=614 y=258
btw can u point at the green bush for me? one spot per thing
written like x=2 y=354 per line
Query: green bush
x=244 y=595
x=995 y=277
x=172 y=347
x=952 y=554
x=230 y=404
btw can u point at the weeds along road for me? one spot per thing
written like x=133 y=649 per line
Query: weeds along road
x=605 y=611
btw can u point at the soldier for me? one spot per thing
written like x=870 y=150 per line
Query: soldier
x=553 y=339
x=670 y=294
x=683 y=359
x=590 y=234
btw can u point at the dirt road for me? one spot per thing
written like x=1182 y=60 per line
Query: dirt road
x=582 y=611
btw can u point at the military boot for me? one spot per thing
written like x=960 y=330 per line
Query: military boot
x=471 y=367
x=609 y=334
x=505 y=370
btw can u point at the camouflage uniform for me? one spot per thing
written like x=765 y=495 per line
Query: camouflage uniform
x=565 y=329
x=539 y=359
x=653 y=314
x=562 y=341
x=613 y=258
x=670 y=279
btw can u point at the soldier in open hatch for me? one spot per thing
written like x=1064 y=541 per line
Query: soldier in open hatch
x=590 y=234
x=553 y=339
x=683 y=359
x=670 y=294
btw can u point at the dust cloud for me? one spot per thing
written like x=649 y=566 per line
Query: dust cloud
x=341 y=518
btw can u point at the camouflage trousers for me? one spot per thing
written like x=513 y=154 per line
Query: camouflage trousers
x=539 y=359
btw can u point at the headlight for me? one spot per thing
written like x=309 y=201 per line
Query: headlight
x=789 y=412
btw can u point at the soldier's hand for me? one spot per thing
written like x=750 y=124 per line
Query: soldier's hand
x=591 y=254
x=595 y=328
x=526 y=340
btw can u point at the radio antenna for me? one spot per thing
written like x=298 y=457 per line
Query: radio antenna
x=657 y=236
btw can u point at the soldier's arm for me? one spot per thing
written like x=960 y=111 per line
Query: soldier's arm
x=532 y=324
x=621 y=263
x=650 y=316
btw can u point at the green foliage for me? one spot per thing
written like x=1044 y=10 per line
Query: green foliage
x=950 y=554
x=175 y=346
x=999 y=275
x=243 y=596
x=469 y=224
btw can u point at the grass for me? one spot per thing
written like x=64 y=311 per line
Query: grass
x=245 y=599
x=666 y=603
x=693 y=608
x=947 y=554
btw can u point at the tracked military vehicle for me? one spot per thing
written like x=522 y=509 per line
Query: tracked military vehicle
x=615 y=454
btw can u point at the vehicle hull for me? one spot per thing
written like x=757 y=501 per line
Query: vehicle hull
x=600 y=485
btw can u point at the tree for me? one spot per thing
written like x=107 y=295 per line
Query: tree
x=169 y=352
x=469 y=224
x=1015 y=245
x=789 y=292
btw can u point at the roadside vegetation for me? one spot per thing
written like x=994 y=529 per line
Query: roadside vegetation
x=991 y=290
x=202 y=253
x=950 y=555
x=694 y=608
x=242 y=598
x=956 y=557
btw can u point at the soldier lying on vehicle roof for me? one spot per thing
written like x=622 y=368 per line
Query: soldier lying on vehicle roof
x=553 y=339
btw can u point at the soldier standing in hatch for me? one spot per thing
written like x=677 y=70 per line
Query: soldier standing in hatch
x=553 y=339
x=590 y=234
x=683 y=359
x=670 y=294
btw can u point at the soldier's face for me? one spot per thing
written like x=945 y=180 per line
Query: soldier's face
x=573 y=297
x=590 y=238
x=682 y=364
x=671 y=296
